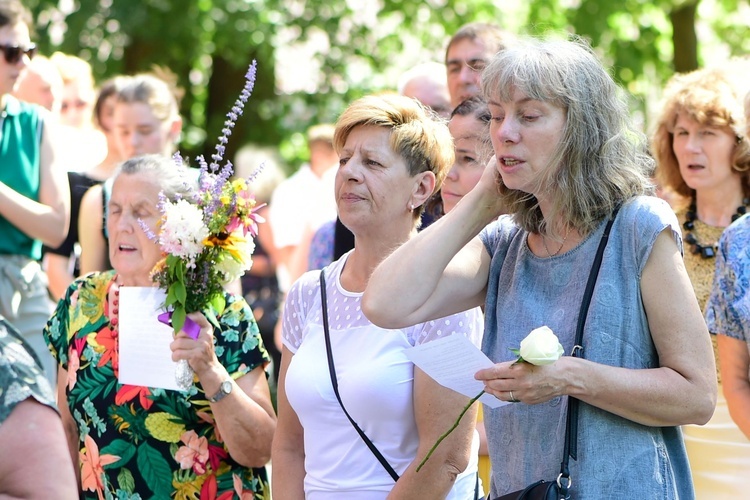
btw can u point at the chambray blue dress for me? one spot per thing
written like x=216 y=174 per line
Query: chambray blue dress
x=617 y=458
x=728 y=308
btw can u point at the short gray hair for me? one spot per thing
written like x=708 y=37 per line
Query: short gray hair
x=176 y=181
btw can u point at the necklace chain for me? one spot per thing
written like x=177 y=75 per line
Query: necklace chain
x=544 y=242
x=708 y=250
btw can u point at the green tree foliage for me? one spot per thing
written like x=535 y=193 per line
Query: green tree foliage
x=357 y=47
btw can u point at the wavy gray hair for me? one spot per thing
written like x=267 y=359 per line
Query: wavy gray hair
x=602 y=159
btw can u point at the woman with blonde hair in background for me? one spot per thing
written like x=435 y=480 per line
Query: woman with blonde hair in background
x=85 y=146
x=146 y=120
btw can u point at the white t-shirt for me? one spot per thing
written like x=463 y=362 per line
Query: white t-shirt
x=302 y=200
x=375 y=383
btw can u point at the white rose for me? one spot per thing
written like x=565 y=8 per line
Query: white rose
x=541 y=347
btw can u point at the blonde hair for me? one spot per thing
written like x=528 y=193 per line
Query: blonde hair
x=152 y=91
x=601 y=160
x=417 y=134
x=711 y=97
x=73 y=69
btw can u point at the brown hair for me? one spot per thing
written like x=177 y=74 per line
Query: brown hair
x=711 y=97
x=492 y=36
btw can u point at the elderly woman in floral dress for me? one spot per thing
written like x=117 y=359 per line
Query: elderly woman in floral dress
x=212 y=440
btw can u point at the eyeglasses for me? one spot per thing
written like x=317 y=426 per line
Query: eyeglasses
x=14 y=53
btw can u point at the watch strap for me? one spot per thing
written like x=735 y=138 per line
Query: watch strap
x=224 y=389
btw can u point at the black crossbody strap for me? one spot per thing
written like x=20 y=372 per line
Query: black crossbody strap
x=334 y=382
x=571 y=426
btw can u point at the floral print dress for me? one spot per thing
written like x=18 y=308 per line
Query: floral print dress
x=140 y=442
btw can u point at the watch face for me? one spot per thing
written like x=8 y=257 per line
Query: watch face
x=226 y=386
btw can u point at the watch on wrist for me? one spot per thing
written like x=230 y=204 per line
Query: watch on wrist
x=224 y=389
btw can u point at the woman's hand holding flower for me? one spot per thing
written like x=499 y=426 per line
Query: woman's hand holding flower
x=524 y=379
x=521 y=379
x=198 y=352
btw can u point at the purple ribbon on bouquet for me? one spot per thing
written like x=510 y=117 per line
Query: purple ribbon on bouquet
x=190 y=327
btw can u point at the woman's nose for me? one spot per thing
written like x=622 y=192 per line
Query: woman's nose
x=352 y=169
x=453 y=172
x=693 y=143
x=508 y=131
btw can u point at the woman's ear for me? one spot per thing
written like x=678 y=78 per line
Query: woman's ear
x=175 y=129
x=424 y=185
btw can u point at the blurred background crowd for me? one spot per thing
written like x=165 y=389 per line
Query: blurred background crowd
x=121 y=79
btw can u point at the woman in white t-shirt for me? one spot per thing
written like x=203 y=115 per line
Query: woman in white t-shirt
x=394 y=156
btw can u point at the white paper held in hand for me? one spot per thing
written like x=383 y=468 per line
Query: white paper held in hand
x=452 y=362
x=145 y=356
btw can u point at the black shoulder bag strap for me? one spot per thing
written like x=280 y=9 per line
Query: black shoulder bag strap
x=335 y=384
x=571 y=427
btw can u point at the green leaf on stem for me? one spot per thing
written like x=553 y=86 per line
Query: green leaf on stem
x=517 y=352
x=179 y=291
x=218 y=303
x=178 y=318
x=171 y=298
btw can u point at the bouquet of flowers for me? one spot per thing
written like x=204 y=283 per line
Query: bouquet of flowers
x=205 y=240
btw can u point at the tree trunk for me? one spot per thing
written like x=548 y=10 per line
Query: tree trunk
x=684 y=39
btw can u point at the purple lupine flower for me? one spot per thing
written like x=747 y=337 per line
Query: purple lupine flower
x=234 y=114
x=177 y=158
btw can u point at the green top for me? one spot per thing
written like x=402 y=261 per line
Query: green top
x=20 y=156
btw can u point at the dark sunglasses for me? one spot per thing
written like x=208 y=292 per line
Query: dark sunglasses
x=13 y=53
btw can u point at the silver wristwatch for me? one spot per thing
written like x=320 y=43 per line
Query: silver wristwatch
x=224 y=389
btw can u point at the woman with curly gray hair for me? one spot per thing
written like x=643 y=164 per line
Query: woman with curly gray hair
x=567 y=163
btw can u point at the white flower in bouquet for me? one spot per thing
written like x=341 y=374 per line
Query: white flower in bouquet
x=182 y=231
x=237 y=259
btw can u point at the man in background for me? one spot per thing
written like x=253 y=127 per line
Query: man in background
x=468 y=52
x=302 y=203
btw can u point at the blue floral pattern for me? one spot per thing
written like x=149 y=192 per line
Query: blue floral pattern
x=728 y=308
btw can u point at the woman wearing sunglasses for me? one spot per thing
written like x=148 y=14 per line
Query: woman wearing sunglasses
x=33 y=191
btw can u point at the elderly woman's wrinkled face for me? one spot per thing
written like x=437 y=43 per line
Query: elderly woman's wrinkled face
x=132 y=253
x=139 y=132
x=704 y=154
x=525 y=136
x=373 y=185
